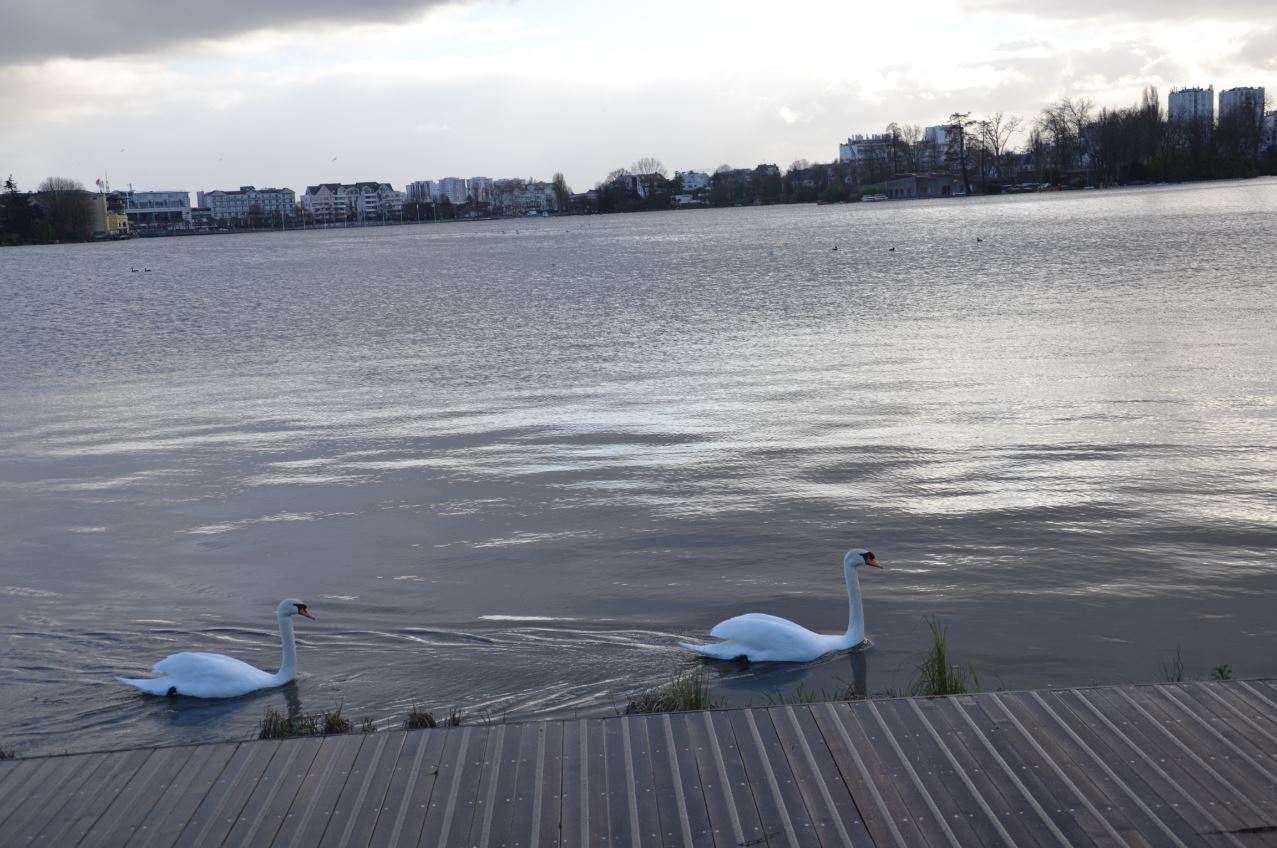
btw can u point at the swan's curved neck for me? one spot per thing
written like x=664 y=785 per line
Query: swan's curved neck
x=855 y=612
x=288 y=666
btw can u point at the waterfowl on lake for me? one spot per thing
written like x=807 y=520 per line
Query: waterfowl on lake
x=767 y=638
x=203 y=675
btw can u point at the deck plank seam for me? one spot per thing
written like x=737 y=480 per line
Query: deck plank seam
x=537 y=797
x=962 y=774
x=1202 y=764
x=1059 y=772
x=1235 y=711
x=495 y=758
x=821 y=784
x=396 y=832
x=151 y=802
x=786 y=820
x=865 y=776
x=1191 y=713
x=631 y=787
x=1260 y=695
x=1108 y=771
x=357 y=803
x=271 y=792
x=215 y=814
x=111 y=804
x=1205 y=813
x=913 y=775
x=724 y=782
x=315 y=796
x=66 y=793
x=680 y=800
x=450 y=806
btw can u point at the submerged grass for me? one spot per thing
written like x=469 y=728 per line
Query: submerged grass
x=420 y=719
x=936 y=674
x=686 y=691
x=1173 y=669
x=278 y=725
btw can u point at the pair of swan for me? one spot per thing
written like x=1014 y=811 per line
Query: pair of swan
x=757 y=636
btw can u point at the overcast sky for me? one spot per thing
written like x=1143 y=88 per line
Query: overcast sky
x=193 y=95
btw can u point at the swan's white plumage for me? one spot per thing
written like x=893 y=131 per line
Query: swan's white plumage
x=203 y=675
x=761 y=637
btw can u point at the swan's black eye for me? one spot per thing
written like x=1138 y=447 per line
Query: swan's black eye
x=300 y=607
x=868 y=555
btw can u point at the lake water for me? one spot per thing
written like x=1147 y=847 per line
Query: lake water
x=510 y=464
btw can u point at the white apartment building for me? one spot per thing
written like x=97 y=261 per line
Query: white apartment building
x=694 y=180
x=1191 y=106
x=1242 y=101
x=420 y=191
x=247 y=202
x=516 y=197
x=454 y=189
x=366 y=201
x=152 y=210
x=481 y=189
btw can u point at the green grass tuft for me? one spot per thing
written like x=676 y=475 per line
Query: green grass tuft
x=1221 y=672
x=368 y=726
x=937 y=675
x=688 y=691
x=419 y=719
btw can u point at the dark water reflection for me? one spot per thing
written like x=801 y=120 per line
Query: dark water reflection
x=509 y=465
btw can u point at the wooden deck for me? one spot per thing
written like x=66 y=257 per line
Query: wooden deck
x=1164 y=765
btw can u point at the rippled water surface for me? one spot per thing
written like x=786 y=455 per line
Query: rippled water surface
x=510 y=464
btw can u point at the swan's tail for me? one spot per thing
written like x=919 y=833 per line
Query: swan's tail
x=149 y=685
x=726 y=650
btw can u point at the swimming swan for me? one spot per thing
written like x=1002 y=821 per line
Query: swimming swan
x=767 y=638
x=203 y=675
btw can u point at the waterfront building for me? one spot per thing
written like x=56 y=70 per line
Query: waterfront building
x=363 y=201
x=420 y=191
x=249 y=205
x=481 y=189
x=694 y=180
x=517 y=197
x=912 y=186
x=1269 y=138
x=1247 y=103
x=454 y=189
x=156 y=210
x=1191 y=106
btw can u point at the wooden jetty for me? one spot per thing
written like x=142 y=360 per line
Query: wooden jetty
x=1182 y=764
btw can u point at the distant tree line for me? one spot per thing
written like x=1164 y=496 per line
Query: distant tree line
x=58 y=211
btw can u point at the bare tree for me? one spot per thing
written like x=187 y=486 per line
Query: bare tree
x=649 y=165
x=66 y=205
x=561 y=190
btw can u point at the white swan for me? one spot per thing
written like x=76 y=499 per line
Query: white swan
x=203 y=675
x=767 y=638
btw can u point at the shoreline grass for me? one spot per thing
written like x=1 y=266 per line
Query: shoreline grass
x=937 y=676
x=686 y=691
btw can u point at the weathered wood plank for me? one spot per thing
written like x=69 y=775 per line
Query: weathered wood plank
x=575 y=810
x=1065 y=808
x=307 y=818
x=402 y=811
x=1002 y=799
x=220 y=808
x=1177 y=812
x=31 y=779
x=1219 y=778
x=178 y=803
x=94 y=799
x=824 y=762
x=512 y=815
x=547 y=800
x=616 y=773
x=116 y=825
x=671 y=803
x=968 y=816
x=266 y=807
x=1228 y=711
x=1100 y=793
x=453 y=803
x=690 y=787
x=634 y=738
x=500 y=770
x=725 y=816
x=36 y=813
x=356 y=808
x=776 y=795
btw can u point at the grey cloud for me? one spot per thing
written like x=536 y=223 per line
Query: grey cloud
x=83 y=29
x=1136 y=10
x=1260 y=48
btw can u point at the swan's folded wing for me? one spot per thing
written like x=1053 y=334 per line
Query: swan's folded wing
x=211 y=675
x=758 y=629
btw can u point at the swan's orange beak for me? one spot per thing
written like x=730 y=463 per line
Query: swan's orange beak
x=872 y=561
x=305 y=612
